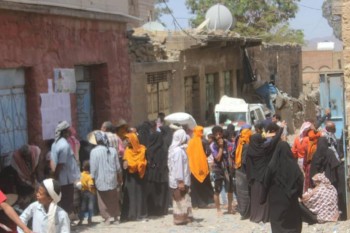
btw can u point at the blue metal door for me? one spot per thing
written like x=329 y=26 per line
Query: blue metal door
x=84 y=108
x=332 y=97
x=13 y=120
x=336 y=102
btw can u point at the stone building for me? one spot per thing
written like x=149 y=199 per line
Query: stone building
x=319 y=62
x=188 y=72
x=179 y=72
x=278 y=63
x=39 y=36
x=143 y=9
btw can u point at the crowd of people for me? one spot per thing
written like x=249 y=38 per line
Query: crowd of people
x=128 y=174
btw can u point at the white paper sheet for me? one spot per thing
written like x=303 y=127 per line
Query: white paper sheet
x=55 y=107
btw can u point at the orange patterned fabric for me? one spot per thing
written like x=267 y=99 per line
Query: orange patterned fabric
x=198 y=162
x=135 y=155
x=243 y=139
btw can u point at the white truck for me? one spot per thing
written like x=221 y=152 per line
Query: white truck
x=237 y=112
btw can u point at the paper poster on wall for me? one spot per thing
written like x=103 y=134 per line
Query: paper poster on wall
x=55 y=107
x=64 y=81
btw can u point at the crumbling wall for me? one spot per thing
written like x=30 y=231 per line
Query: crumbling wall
x=146 y=46
x=281 y=63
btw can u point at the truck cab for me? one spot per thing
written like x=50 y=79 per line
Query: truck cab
x=237 y=112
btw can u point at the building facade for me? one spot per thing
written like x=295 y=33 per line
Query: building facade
x=316 y=63
x=38 y=38
x=278 y=63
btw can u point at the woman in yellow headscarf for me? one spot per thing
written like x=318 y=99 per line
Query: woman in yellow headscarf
x=134 y=164
x=201 y=189
x=242 y=185
x=134 y=155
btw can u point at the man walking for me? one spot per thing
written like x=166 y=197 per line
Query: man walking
x=106 y=171
x=66 y=169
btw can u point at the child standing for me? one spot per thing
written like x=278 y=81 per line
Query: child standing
x=47 y=216
x=88 y=193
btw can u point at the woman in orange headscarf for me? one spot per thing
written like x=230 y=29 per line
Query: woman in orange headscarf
x=134 y=200
x=313 y=137
x=201 y=189
x=242 y=184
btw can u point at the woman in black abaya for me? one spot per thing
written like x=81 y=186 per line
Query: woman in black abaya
x=284 y=182
x=259 y=154
x=324 y=160
x=157 y=175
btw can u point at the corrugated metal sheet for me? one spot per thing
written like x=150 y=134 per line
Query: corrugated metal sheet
x=106 y=6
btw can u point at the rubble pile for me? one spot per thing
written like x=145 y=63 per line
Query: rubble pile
x=295 y=111
x=146 y=46
x=143 y=50
x=152 y=46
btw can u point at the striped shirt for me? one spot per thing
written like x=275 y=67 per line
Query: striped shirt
x=104 y=167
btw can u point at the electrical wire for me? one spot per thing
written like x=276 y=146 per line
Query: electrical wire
x=309 y=7
x=176 y=22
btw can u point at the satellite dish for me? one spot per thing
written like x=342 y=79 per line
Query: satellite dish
x=220 y=18
x=153 y=26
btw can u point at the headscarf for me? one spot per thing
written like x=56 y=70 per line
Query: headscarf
x=144 y=132
x=167 y=134
x=323 y=199
x=324 y=160
x=313 y=138
x=259 y=154
x=101 y=138
x=59 y=128
x=332 y=142
x=198 y=162
x=304 y=127
x=25 y=172
x=49 y=185
x=179 y=138
x=157 y=158
x=256 y=146
x=321 y=179
x=284 y=171
x=135 y=156
x=243 y=139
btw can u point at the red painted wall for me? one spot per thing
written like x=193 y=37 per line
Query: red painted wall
x=44 y=42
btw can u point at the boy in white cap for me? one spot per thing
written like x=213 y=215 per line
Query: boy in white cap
x=47 y=216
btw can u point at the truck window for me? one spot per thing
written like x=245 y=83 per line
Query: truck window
x=259 y=114
x=233 y=116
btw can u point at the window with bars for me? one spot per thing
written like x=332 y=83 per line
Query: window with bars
x=228 y=83
x=157 y=93
x=212 y=89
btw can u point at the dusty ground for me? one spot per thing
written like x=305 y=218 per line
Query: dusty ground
x=207 y=222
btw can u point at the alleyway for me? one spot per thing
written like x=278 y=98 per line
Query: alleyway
x=207 y=222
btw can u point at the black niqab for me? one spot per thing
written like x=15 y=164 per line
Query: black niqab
x=324 y=160
x=157 y=159
x=259 y=155
x=284 y=171
x=144 y=132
